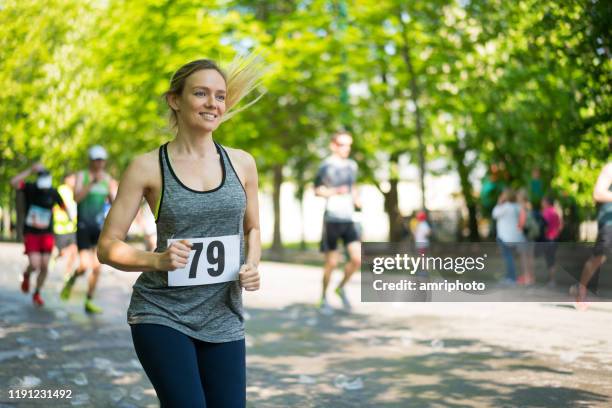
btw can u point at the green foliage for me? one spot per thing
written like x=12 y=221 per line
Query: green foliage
x=526 y=83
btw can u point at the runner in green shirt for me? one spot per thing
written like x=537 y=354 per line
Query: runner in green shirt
x=94 y=192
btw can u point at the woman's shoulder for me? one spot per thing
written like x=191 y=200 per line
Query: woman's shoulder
x=146 y=161
x=240 y=157
x=145 y=165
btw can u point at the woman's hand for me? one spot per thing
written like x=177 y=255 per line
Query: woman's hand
x=249 y=277
x=175 y=256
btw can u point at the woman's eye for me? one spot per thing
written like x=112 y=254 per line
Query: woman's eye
x=221 y=97
x=199 y=93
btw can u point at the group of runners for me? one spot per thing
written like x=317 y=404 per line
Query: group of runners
x=185 y=313
x=69 y=218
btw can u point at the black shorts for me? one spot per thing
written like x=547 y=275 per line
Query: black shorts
x=64 y=240
x=87 y=235
x=334 y=230
x=603 y=245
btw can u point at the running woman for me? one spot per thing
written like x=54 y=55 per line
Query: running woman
x=94 y=190
x=335 y=181
x=603 y=247
x=40 y=197
x=186 y=312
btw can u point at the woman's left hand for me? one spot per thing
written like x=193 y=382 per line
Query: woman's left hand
x=249 y=277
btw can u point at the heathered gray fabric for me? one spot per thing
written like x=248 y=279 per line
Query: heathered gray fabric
x=337 y=172
x=211 y=313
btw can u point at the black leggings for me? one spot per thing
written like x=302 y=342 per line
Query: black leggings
x=187 y=372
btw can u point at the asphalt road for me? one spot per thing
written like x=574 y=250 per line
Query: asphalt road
x=378 y=355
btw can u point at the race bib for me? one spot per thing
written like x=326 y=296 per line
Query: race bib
x=38 y=217
x=211 y=260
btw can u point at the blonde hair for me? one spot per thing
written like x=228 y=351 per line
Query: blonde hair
x=243 y=75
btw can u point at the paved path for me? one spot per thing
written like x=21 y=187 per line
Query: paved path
x=380 y=355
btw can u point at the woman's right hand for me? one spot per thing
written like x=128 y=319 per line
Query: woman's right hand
x=175 y=256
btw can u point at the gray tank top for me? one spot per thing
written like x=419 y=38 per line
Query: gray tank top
x=212 y=312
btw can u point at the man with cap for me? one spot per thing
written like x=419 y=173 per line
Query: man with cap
x=95 y=189
x=40 y=197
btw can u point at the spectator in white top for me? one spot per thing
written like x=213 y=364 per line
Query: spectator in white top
x=509 y=235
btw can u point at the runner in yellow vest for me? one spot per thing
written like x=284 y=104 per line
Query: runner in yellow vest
x=65 y=227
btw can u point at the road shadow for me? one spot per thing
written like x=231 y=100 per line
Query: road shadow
x=299 y=355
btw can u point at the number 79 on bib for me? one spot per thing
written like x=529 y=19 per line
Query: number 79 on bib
x=211 y=260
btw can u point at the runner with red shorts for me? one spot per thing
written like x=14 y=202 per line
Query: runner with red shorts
x=40 y=197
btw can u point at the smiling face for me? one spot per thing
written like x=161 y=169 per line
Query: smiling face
x=201 y=104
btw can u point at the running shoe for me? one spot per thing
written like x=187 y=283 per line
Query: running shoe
x=345 y=302
x=92 y=308
x=37 y=300
x=65 y=293
x=25 y=283
x=324 y=307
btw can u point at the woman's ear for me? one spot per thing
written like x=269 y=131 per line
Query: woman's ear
x=172 y=101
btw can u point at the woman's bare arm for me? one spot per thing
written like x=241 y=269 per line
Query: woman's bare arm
x=112 y=249
x=251 y=218
x=247 y=172
x=601 y=193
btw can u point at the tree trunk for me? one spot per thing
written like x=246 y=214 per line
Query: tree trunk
x=302 y=222
x=277 y=244
x=396 y=230
x=473 y=236
x=415 y=92
x=6 y=221
x=467 y=191
x=20 y=206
